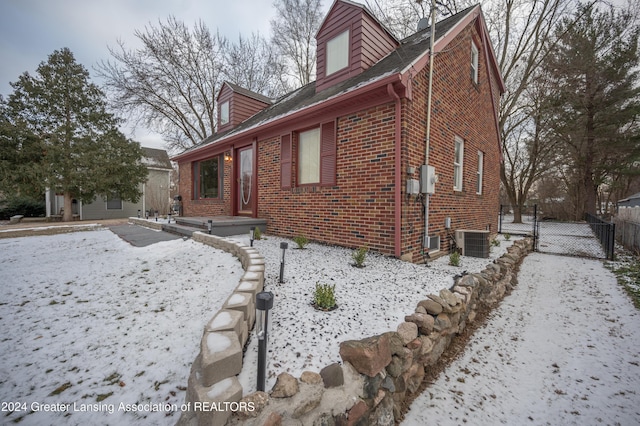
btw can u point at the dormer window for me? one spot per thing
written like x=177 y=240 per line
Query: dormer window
x=338 y=53
x=224 y=113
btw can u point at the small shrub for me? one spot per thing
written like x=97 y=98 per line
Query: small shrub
x=359 y=256
x=324 y=296
x=21 y=205
x=454 y=259
x=257 y=234
x=495 y=242
x=301 y=241
x=507 y=237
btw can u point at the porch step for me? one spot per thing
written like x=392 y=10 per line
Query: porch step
x=222 y=226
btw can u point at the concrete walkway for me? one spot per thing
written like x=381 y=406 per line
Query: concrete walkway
x=140 y=236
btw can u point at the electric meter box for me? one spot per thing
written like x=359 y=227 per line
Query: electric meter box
x=428 y=179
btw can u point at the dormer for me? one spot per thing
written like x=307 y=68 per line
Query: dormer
x=349 y=41
x=236 y=104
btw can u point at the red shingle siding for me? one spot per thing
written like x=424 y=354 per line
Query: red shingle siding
x=241 y=107
x=368 y=40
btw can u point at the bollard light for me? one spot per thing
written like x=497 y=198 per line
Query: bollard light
x=209 y=225
x=283 y=247
x=169 y=216
x=138 y=213
x=252 y=234
x=264 y=302
x=146 y=214
x=156 y=215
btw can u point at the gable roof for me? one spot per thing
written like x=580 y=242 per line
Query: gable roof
x=246 y=92
x=359 y=6
x=156 y=158
x=408 y=59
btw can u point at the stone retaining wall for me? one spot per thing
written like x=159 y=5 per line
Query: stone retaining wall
x=213 y=379
x=380 y=373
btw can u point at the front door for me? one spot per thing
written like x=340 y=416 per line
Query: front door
x=245 y=181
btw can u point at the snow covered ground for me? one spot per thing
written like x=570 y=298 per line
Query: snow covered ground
x=371 y=300
x=562 y=348
x=86 y=316
x=90 y=320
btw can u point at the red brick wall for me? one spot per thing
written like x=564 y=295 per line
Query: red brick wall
x=207 y=207
x=459 y=108
x=358 y=211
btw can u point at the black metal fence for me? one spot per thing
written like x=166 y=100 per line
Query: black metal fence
x=605 y=232
x=561 y=237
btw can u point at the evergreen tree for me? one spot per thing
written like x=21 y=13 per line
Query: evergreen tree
x=595 y=104
x=64 y=137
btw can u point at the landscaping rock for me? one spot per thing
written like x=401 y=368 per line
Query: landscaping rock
x=332 y=376
x=258 y=400
x=368 y=356
x=432 y=307
x=407 y=331
x=286 y=386
x=357 y=412
x=311 y=377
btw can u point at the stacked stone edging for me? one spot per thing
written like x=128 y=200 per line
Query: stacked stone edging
x=213 y=378
x=380 y=373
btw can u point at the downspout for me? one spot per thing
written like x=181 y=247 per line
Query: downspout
x=428 y=130
x=398 y=172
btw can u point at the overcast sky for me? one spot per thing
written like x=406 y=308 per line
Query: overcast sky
x=30 y=30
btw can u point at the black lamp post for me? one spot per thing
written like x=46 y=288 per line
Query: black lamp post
x=252 y=234
x=138 y=213
x=209 y=225
x=169 y=216
x=156 y=215
x=264 y=302
x=146 y=214
x=283 y=247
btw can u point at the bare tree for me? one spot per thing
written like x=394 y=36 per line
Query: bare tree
x=293 y=35
x=252 y=63
x=401 y=16
x=169 y=84
x=522 y=32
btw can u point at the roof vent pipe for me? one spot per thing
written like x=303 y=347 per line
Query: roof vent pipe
x=422 y=24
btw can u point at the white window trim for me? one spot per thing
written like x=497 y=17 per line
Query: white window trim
x=309 y=172
x=474 y=62
x=458 y=165
x=337 y=60
x=480 y=172
x=224 y=113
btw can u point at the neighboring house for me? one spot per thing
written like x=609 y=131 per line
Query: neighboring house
x=630 y=201
x=155 y=194
x=339 y=159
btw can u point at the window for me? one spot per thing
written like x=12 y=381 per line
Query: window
x=474 y=63
x=309 y=156
x=457 y=164
x=315 y=161
x=224 y=113
x=207 y=182
x=480 y=170
x=114 y=202
x=337 y=53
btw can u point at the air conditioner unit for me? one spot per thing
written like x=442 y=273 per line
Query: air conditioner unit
x=473 y=243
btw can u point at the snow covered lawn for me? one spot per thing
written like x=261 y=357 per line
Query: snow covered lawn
x=90 y=320
x=562 y=348
x=371 y=300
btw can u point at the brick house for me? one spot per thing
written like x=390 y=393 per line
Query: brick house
x=339 y=160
